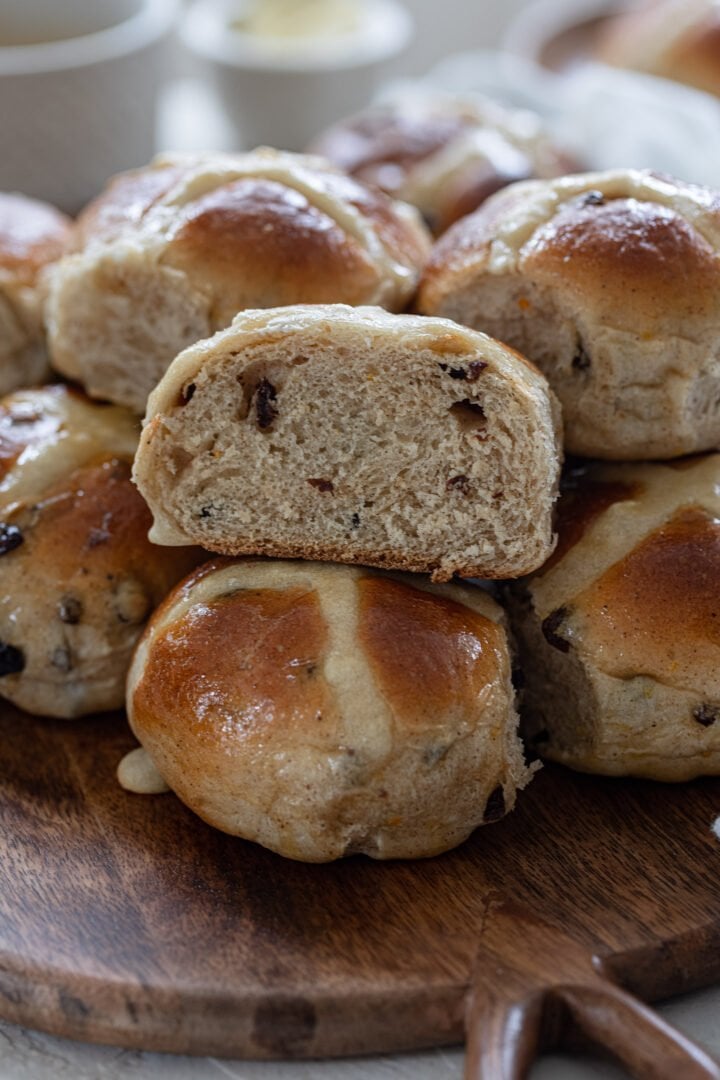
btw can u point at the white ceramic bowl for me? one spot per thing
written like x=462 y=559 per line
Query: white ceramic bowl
x=78 y=84
x=283 y=97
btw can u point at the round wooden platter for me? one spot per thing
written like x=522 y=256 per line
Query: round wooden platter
x=124 y=919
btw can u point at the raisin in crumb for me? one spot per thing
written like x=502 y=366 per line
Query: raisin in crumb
x=12 y=659
x=459 y=483
x=470 y=373
x=495 y=806
x=355 y=521
x=475 y=369
x=706 y=714
x=581 y=360
x=265 y=407
x=550 y=627
x=321 y=484
x=10 y=537
x=187 y=393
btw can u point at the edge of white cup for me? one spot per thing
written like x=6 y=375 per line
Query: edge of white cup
x=199 y=33
x=154 y=19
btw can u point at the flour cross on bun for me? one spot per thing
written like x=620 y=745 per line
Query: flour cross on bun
x=170 y=253
x=610 y=283
x=353 y=435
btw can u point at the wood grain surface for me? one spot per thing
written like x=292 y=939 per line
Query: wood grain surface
x=124 y=919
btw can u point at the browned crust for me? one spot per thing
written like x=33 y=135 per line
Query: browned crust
x=632 y=257
x=125 y=201
x=472 y=185
x=695 y=58
x=431 y=657
x=257 y=242
x=22 y=426
x=380 y=145
x=385 y=559
x=405 y=237
x=463 y=250
x=96 y=519
x=32 y=234
x=386 y=145
x=655 y=612
x=254 y=654
x=580 y=506
x=628 y=258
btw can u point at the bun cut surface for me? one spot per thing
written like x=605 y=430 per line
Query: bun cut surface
x=326 y=710
x=352 y=435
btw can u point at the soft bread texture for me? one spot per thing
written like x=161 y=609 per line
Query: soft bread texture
x=323 y=710
x=443 y=153
x=677 y=39
x=32 y=236
x=78 y=576
x=619 y=633
x=352 y=435
x=170 y=253
x=610 y=283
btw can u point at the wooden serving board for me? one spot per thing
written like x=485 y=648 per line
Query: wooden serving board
x=124 y=919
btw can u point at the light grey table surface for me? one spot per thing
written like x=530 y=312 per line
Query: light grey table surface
x=30 y=1055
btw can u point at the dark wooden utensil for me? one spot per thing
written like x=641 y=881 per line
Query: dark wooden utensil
x=124 y=919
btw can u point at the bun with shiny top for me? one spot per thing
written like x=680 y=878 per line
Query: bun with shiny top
x=78 y=575
x=170 y=253
x=610 y=283
x=324 y=710
x=443 y=153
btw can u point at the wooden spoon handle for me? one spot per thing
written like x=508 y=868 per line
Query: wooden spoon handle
x=535 y=988
x=633 y=1034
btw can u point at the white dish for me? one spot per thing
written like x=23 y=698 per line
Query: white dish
x=78 y=83
x=282 y=94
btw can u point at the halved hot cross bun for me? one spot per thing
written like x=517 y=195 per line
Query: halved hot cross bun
x=353 y=435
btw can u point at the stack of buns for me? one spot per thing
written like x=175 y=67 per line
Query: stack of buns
x=610 y=283
x=320 y=685
x=369 y=712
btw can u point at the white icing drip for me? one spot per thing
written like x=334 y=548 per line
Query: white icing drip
x=137 y=773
